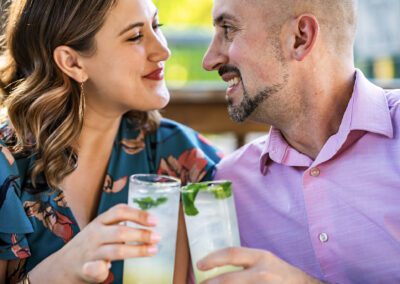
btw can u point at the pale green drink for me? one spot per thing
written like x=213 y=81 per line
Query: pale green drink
x=159 y=195
x=211 y=222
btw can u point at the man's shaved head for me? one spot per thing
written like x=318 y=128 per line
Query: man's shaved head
x=269 y=52
x=337 y=18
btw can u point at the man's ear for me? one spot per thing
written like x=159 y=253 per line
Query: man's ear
x=305 y=31
x=68 y=60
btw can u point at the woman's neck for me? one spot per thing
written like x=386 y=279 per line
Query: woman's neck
x=98 y=131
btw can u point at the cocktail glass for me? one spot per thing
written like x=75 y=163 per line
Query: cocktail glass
x=211 y=222
x=159 y=195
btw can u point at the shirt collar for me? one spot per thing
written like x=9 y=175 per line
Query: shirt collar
x=367 y=111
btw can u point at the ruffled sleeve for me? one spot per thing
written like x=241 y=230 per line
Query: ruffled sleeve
x=14 y=223
x=184 y=153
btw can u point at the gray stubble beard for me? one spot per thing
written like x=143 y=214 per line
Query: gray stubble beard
x=248 y=105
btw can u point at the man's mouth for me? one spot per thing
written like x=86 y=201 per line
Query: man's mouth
x=233 y=82
x=231 y=75
x=232 y=79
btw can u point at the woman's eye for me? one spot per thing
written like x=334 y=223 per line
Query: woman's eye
x=136 y=38
x=157 y=25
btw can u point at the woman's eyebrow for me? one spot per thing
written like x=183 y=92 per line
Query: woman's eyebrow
x=131 y=26
x=134 y=25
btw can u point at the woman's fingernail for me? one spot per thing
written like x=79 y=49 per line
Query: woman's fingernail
x=155 y=238
x=152 y=250
x=109 y=265
x=152 y=220
x=200 y=265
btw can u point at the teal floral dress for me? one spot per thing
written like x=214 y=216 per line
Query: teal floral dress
x=33 y=226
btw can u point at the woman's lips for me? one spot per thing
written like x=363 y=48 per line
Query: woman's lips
x=156 y=75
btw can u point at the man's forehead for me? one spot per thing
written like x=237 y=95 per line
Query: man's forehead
x=239 y=9
x=234 y=9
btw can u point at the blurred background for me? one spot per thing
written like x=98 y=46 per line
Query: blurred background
x=198 y=97
x=188 y=29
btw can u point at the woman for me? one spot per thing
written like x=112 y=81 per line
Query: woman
x=81 y=84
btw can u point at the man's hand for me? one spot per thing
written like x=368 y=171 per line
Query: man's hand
x=258 y=267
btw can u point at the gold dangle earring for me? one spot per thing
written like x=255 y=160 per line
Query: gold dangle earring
x=82 y=103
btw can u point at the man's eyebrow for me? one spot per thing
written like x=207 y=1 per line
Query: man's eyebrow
x=134 y=25
x=221 y=18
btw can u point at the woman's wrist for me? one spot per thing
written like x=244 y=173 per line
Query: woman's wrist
x=48 y=271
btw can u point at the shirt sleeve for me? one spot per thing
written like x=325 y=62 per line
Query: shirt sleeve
x=184 y=153
x=14 y=223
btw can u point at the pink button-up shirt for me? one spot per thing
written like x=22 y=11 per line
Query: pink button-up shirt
x=337 y=217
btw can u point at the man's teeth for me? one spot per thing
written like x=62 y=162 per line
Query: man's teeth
x=233 y=81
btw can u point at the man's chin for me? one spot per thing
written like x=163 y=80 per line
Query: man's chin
x=237 y=114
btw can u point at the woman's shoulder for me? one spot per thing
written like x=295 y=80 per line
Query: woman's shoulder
x=6 y=132
x=172 y=143
x=11 y=174
x=14 y=223
x=18 y=162
x=169 y=132
x=168 y=123
x=7 y=161
x=170 y=129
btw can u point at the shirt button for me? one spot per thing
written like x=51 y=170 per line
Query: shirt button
x=315 y=172
x=323 y=237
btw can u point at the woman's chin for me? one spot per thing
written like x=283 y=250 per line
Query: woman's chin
x=164 y=98
x=159 y=104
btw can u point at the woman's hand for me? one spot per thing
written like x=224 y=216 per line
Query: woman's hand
x=87 y=257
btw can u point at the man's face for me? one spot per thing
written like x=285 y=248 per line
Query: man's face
x=247 y=53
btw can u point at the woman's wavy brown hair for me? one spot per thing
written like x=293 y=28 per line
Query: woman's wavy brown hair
x=42 y=102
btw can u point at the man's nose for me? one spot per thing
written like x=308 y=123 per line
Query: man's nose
x=214 y=57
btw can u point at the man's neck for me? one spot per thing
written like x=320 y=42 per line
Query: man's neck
x=313 y=126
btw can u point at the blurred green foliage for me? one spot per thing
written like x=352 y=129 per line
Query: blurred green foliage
x=185 y=13
x=184 y=66
x=188 y=28
x=188 y=20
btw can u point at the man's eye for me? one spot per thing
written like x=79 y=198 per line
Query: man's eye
x=136 y=38
x=228 y=30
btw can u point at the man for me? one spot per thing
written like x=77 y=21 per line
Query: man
x=318 y=199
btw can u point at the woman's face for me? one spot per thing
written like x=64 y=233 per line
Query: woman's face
x=126 y=72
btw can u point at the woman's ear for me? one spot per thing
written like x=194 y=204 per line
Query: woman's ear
x=68 y=60
x=305 y=31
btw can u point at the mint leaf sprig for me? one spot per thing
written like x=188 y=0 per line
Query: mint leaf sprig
x=220 y=190
x=147 y=202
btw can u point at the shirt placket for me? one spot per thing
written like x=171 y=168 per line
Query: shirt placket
x=318 y=210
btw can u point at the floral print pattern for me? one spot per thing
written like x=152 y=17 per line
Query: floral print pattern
x=59 y=224
x=7 y=154
x=189 y=167
x=9 y=184
x=134 y=145
x=33 y=226
x=20 y=252
x=111 y=186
